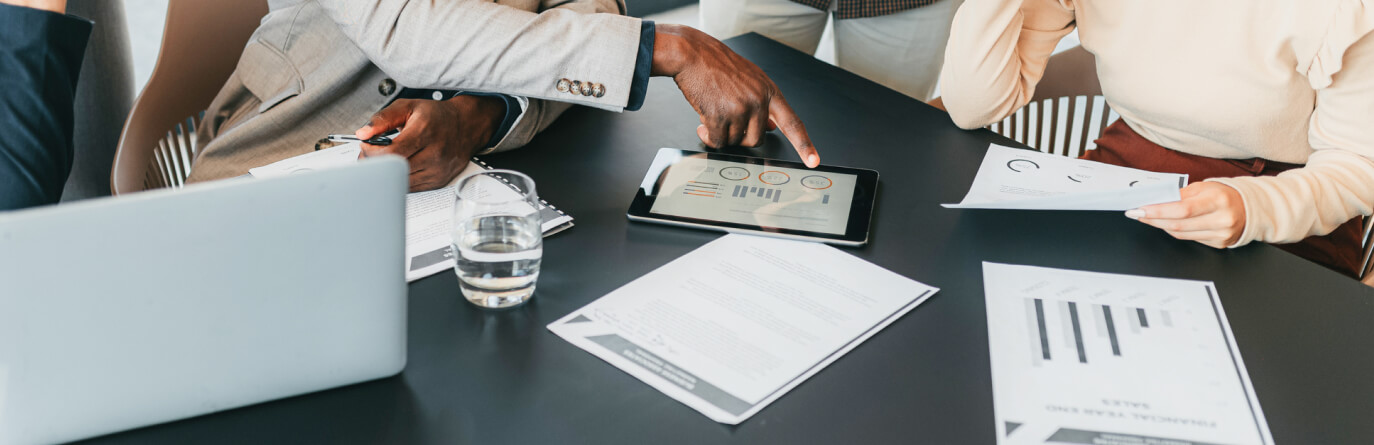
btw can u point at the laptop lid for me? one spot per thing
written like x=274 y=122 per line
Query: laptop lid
x=122 y=312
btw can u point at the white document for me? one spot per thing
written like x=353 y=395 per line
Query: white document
x=336 y=156
x=1011 y=178
x=734 y=325
x=1094 y=358
x=429 y=215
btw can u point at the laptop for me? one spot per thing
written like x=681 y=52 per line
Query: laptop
x=117 y=313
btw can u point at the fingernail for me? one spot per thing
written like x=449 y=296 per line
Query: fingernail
x=1135 y=214
x=813 y=160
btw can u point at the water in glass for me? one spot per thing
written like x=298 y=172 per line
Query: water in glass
x=497 y=239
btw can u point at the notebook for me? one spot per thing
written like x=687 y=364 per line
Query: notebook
x=429 y=215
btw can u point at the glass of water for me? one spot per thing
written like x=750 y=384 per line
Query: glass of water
x=497 y=239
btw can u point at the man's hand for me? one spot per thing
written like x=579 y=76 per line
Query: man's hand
x=58 y=6
x=438 y=136
x=1209 y=213
x=737 y=102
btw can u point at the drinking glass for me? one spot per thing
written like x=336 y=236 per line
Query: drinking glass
x=497 y=239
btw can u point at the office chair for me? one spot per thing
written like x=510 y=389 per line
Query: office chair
x=1070 y=94
x=201 y=45
x=104 y=96
x=1365 y=276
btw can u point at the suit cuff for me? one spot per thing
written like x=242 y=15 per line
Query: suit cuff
x=515 y=110
x=644 y=63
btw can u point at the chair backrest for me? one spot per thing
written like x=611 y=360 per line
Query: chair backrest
x=104 y=96
x=1368 y=240
x=1067 y=112
x=201 y=44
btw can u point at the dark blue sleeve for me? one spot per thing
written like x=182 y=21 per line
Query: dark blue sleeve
x=644 y=63
x=512 y=113
x=40 y=58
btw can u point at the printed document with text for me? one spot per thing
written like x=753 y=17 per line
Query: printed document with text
x=734 y=325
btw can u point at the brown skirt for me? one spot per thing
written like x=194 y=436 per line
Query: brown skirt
x=1120 y=145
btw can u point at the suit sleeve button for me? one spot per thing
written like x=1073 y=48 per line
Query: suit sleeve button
x=576 y=87
x=564 y=85
x=598 y=90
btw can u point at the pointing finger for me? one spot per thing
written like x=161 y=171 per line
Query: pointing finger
x=782 y=114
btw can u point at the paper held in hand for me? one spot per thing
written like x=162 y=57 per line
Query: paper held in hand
x=737 y=323
x=1012 y=178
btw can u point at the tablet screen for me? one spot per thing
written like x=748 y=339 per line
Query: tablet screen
x=756 y=195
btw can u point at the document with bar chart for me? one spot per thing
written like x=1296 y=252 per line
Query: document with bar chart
x=1095 y=358
x=761 y=195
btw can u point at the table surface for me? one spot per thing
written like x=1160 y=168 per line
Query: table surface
x=1306 y=333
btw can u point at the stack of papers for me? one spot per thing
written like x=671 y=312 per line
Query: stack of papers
x=734 y=325
x=1012 y=178
x=429 y=215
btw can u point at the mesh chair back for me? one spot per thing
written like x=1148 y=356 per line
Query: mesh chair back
x=1067 y=112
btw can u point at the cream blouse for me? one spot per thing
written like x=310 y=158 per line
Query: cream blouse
x=1285 y=80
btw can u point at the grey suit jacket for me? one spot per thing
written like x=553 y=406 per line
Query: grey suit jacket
x=316 y=67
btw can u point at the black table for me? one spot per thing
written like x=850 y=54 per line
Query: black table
x=1306 y=333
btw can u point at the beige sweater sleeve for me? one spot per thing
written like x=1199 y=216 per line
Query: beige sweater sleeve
x=1337 y=184
x=997 y=53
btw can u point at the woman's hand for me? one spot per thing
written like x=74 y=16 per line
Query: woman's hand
x=1209 y=213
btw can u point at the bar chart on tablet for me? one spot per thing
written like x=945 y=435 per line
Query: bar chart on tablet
x=768 y=194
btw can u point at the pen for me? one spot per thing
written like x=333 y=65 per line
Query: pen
x=383 y=139
x=376 y=140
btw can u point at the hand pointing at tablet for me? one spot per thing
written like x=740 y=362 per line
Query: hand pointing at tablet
x=737 y=102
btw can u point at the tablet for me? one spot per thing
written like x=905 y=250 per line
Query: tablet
x=753 y=195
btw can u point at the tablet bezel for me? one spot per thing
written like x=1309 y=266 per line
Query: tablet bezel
x=860 y=207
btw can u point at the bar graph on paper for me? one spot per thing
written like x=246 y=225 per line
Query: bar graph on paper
x=1078 y=327
x=1086 y=357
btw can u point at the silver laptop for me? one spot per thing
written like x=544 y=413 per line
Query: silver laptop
x=122 y=312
